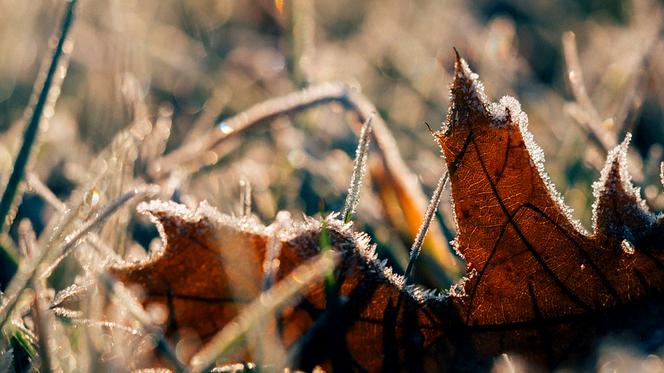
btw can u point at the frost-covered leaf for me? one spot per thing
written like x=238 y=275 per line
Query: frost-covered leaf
x=544 y=286
x=211 y=265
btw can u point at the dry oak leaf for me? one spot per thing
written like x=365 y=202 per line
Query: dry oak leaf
x=212 y=264
x=540 y=284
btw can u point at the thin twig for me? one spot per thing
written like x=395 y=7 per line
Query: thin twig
x=33 y=126
x=263 y=112
x=213 y=106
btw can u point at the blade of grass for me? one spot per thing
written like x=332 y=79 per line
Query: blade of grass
x=301 y=34
x=28 y=243
x=359 y=169
x=24 y=351
x=245 y=197
x=33 y=125
x=325 y=245
x=8 y=265
x=416 y=248
x=71 y=241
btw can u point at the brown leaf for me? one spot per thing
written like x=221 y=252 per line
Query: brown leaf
x=209 y=264
x=534 y=268
x=212 y=264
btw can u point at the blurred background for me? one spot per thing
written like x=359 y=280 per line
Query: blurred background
x=185 y=66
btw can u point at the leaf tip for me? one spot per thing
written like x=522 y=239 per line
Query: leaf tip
x=618 y=206
x=614 y=176
x=456 y=52
x=467 y=97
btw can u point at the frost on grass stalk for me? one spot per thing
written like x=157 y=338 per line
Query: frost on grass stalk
x=73 y=239
x=359 y=168
x=43 y=191
x=592 y=121
x=266 y=347
x=416 y=248
x=271 y=263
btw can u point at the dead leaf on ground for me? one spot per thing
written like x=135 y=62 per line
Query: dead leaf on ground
x=541 y=283
x=212 y=264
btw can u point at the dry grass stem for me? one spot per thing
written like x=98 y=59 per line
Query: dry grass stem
x=592 y=121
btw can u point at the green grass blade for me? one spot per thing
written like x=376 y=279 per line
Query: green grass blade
x=33 y=126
